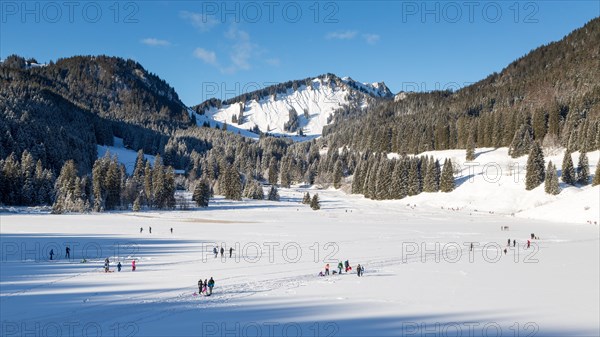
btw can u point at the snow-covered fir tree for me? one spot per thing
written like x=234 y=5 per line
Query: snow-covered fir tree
x=535 y=174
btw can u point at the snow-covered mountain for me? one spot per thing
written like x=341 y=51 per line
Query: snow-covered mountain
x=298 y=107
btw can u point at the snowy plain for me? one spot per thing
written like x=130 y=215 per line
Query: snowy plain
x=421 y=278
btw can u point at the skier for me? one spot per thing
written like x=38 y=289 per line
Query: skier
x=106 y=265
x=200 y=285
x=67 y=253
x=358 y=269
x=141 y=230
x=132 y=265
x=222 y=251
x=340 y=266
x=150 y=229
x=215 y=251
x=230 y=251
x=327 y=269
x=514 y=243
x=211 y=284
x=51 y=253
x=119 y=266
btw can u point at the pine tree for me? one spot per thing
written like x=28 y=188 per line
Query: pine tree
x=148 y=191
x=447 y=178
x=137 y=204
x=596 y=180
x=306 y=199
x=535 y=174
x=201 y=193
x=470 y=148
x=273 y=173
x=583 y=170
x=315 y=204
x=568 y=172
x=522 y=141
x=431 y=182
x=337 y=174
x=551 y=184
x=273 y=193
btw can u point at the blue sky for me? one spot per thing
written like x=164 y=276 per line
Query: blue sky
x=221 y=49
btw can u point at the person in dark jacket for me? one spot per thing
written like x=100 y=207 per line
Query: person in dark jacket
x=222 y=251
x=200 y=285
x=119 y=265
x=51 y=253
x=67 y=253
x=211 y=284
x=340 y=266
x=230 y=251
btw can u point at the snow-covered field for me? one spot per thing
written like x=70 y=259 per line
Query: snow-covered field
x=420 y=276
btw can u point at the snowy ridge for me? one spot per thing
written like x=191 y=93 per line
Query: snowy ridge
x=501 y=190
x=315 y=105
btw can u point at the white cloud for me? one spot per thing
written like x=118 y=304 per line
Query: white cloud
x=206 y=55
x=275 y=62
x=371 y=38
x=155 y=42
x=344 y=35
x=242 y=49
x=199 y=20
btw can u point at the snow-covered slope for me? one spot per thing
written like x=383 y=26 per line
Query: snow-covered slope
x=315 y=104
x=495 y=184
x=124 y=155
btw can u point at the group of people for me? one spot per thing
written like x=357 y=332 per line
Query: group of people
x=150 y=229
x=206 y=287
x=119 y=265
x=216 y=251
x=67 y=253
x=343 y=266
x=514 y=242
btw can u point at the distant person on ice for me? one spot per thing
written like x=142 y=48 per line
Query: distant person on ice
x=106 y=265
x=67 y=253
x=359 y=270
x=230 y=251
x=222 y=251
x=340 y=266
x=51 y=253
x=347 y=263
x=200 y=285
x=141 y=230
x=327 y=269
x=150 y=229
x=211 y=284
x=119 y=265
x=132 y=265
x=509 y=242
x=528 y=243
x=514 y=243
x=171 y=230
x=216 y=252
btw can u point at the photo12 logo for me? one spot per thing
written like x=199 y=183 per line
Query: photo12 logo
x=66 y=329
x=44 y=251
x=270 y=11
x=453 y=252
x=69 y=11
x=469 y=11
x=272 y=252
